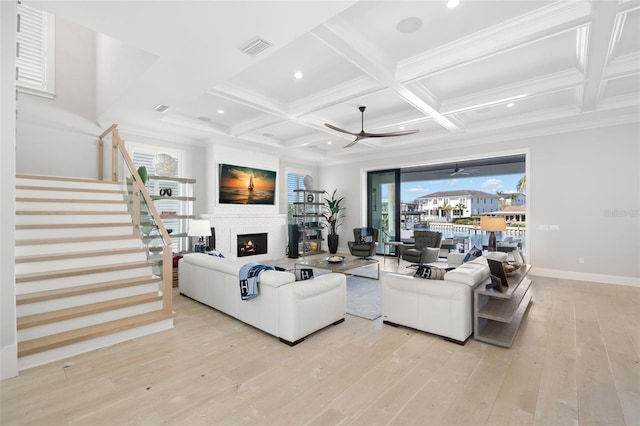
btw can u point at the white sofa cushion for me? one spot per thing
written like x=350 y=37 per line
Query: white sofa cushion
x=470 y=273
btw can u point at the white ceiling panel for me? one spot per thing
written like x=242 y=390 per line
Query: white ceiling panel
x=567 y=65
x=545 y=57
x=321 y=67
x=522 y=107
x=378 y=22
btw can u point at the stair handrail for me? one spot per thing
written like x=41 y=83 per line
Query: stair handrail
x=117 y=144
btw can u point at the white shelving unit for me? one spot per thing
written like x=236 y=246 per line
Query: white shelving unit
x=308 y=218
x=497 y=315
x=175 y=210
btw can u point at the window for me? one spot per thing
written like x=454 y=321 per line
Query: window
x=295 y=180
x=35 y=52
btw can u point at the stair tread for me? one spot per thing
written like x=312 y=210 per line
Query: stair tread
x=78 y=271
x=41 y=296
x=83 y=310
x=67 y=200
x=72 y=225
x=63 y=179
x=40 y=241
x=53 y=341
x=76 y=255
x=66 y=189
x=69 y=212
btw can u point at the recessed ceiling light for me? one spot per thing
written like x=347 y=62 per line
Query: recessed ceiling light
x=453 y=3
x=510 y=104
x=409 y=25
x=329 y=143
x=401 y=127
x=161 y=108
x=298 y=75
x=220 y=111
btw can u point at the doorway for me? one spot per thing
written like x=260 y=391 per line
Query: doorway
x=383 y=206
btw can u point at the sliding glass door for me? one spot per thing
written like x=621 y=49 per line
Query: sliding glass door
x=383 y=206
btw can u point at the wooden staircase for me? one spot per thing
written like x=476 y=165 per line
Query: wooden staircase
x=83 y=280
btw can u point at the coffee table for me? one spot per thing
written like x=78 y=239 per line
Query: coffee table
x=349 y=263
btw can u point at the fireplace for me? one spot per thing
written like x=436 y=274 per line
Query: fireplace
x=252 y=244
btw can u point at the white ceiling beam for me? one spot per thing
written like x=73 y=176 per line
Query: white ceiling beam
x=604 y=36
x=350 y=45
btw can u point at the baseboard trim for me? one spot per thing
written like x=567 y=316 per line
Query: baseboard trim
x=9 y=361
x=583 y=276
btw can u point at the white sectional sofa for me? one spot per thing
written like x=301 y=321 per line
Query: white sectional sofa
x=442 y=307
x=285 y=308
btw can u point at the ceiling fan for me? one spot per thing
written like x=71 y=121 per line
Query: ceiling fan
x=459 y=171
x=462 y=171
x=362 y=134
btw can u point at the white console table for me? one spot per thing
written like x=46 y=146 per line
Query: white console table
x=497 y=315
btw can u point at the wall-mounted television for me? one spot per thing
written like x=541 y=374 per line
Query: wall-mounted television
x=246 y=185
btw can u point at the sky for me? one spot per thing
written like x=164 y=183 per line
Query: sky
x=491 y=184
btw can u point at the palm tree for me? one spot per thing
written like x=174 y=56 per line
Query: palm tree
x=521 y=186
x=460 y=207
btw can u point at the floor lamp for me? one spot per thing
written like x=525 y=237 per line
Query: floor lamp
x=200 y=229
x=492 y=224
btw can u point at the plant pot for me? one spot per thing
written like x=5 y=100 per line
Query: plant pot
x=332 y=240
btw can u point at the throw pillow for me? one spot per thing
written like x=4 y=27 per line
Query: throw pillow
x=429 y=273
x=302 y=274
x=473 y=253
x=215 y=253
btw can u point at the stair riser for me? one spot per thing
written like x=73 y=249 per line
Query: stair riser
x=68 y=195
x=66 y=282
x=66 y=219
x=84 y=299
x=97 y=231
x=40 y=358
x=69 y=184
x=75 y=247
x=82 y=262
x=85 y=321
x=63 y=207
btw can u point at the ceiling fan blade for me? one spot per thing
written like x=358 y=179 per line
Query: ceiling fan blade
x=389 y=134
x=352 y=143
x=337 y=129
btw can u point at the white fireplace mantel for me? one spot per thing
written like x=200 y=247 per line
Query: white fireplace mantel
x=229 y=226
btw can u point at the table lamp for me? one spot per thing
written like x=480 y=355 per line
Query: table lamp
x=492 y=224
x=200 y=229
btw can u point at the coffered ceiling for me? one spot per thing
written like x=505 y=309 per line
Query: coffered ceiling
x=480 y=71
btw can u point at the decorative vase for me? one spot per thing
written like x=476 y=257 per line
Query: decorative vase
x=332 y=240
x=308 y=182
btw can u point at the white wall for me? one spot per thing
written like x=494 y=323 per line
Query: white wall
x=50 y=129
x=586 y=182
x=8 y=334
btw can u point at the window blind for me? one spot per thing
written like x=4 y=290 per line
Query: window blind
x=34 y=50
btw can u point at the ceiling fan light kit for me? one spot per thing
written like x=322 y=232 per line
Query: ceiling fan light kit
x=363 y=135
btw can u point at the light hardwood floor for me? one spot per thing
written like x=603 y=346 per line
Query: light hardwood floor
x=575 y=361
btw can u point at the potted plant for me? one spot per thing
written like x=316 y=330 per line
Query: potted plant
x=332 y=214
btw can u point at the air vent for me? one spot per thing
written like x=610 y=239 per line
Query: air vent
x=161 y=108
x=255 y=46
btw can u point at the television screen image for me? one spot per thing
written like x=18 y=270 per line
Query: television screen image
x=246 y=185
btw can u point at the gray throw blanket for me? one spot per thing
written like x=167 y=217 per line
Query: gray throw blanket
x=249 y=279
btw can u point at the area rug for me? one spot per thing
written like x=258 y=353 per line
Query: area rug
x=363 y=297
